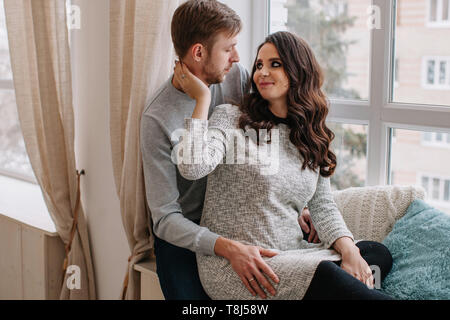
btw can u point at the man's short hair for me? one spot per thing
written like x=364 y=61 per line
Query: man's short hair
x=200 y=21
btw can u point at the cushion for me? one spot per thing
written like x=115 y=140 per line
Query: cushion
x=420 y=248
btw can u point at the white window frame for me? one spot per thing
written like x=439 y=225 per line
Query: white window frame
x=439 y=23
x=380 y=113
x=437 y=64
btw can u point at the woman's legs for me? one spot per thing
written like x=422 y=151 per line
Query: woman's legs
x=330 y=281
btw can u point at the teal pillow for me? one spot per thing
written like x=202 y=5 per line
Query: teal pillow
x=420 y=248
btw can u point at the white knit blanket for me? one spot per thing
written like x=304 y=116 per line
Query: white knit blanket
x=371 y=212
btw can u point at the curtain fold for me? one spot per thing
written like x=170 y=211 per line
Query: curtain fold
x=141 y=59
x=40 y=60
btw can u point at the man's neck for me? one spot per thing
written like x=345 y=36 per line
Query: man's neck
x=178 y=86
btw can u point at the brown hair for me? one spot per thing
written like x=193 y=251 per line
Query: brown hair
x=307 y=104
x=200 y=21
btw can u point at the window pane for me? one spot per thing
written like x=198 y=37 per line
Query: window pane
x=338 y=34
x=433 y=10
x=430 y=72
x=447 y=190
x=350 y=147
x=425 y=181
x=426 y=136
x=442 y=67
x=435 y=192
x=418 y=163
x=445 y=8
x=438 y=136
x=13 y=157
x=421 y=68
x=5 y=65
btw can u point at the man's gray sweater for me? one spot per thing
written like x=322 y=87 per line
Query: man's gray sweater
x=175 y=202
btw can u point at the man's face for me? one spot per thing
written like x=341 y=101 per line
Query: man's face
x=220 y=58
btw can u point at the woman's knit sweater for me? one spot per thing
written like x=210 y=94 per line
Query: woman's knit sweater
x=255 y=195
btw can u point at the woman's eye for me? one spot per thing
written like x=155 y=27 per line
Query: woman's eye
x=276 y=64
x=258 y=65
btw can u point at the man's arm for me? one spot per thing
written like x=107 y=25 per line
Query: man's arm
x=162 y=193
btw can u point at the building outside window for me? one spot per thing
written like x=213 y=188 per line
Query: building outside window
x=408 y=143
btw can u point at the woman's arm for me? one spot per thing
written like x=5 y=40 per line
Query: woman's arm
x=204 y=141
x=325 y=215
x=331 y=226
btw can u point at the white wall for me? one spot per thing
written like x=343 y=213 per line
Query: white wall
x=245 y=42
x=90 y=55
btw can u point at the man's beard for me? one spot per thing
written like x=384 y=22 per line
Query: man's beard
x=212 y=76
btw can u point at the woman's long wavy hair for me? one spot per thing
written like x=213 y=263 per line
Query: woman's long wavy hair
x=307 y=104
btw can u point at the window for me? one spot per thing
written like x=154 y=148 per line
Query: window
x=13 y=156
x=418 y=157
x=438 y=13
x=437 y=188
x=436 y=73
x=337 y=32
x=437 y=139
x=377 y=52
x=350 y=148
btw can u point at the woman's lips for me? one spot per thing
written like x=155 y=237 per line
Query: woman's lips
x=265 y=84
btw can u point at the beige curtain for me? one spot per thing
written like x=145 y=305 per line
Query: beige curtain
x=38 y=41
x=141 y=59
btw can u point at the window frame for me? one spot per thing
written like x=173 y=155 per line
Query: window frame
x=439 y=23
x=380 y=112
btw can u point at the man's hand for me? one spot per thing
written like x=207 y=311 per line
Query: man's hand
x=307 y=226
x=247 y=262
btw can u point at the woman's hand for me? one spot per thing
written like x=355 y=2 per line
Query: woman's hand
x=352 y=262
x=191 y=85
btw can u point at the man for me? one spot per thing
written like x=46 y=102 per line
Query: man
x=204 y=34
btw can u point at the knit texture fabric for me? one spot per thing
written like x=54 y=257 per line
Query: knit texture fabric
x=257 y=200
x=371 y=212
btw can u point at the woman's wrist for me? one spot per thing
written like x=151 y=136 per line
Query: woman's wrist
x=345 y=246
x=201 y=109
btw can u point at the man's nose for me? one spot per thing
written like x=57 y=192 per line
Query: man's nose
x=235 y=57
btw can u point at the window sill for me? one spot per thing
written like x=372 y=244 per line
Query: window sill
x=23 y=202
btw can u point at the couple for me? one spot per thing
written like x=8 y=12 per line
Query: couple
x=241 y=227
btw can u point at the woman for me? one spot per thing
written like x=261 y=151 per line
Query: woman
x=287 y=165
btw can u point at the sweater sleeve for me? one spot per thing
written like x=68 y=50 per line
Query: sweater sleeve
x=325 y=215
x=204 y=144
x=162 y=194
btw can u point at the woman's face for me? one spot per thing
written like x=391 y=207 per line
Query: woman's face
x=270 y=77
